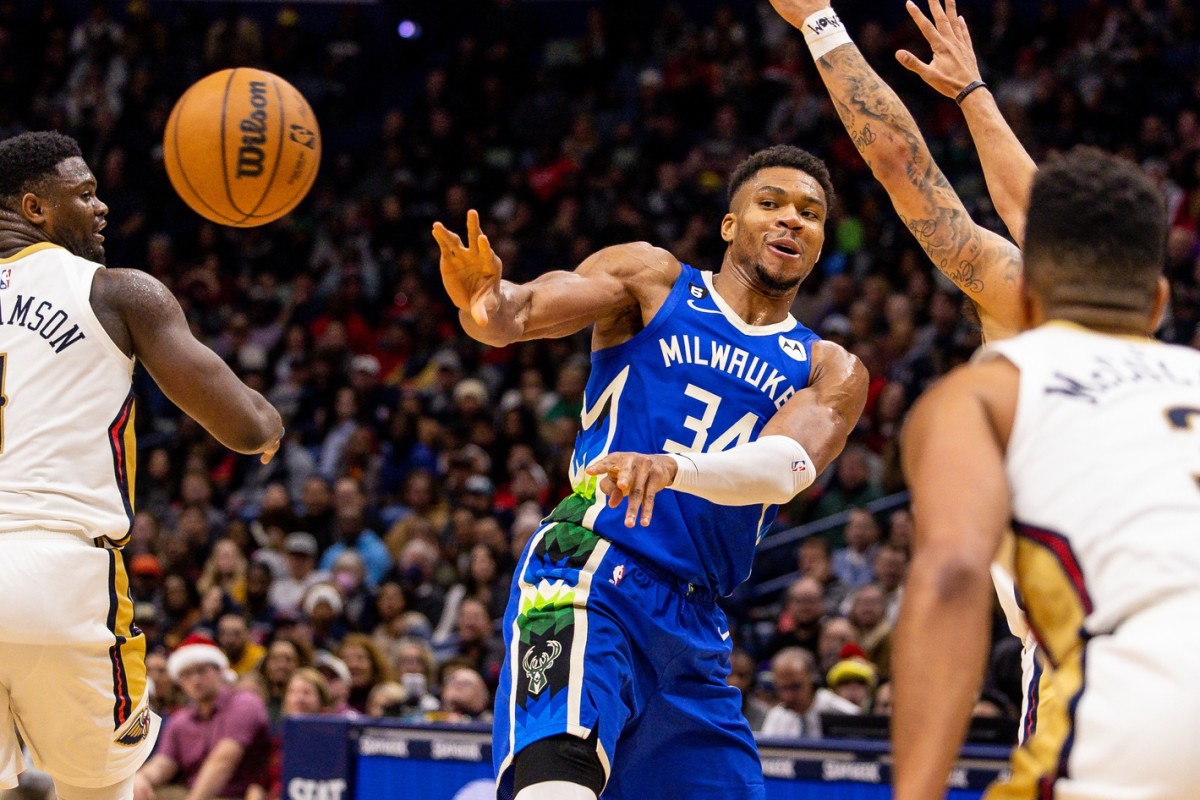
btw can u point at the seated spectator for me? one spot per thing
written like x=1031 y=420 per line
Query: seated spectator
x=165 y=695
x=226 y=567
x=417 y=670
x=814 y=561
x=801 y=703
x=415 y=570
x=872 y=630
x=233 y=635
x=367 y=666
x=390 y=605
x=259 y=611
x=353 y=533
x=219 y=744
x=851 y=487
x=350 y=578
x=852 y=564
x=181 y=609
x=465 y=697
x=744 y=678
x=323 y=610
x=307 y=693
x=287 y=593
x=853 y=678
x=474 y=641
x=385 y=699
x=145 y=578
x=882 y=704
x=836 y=634
x=284 y=656
x=799 y=623
x=337 y=679
x=891 y=565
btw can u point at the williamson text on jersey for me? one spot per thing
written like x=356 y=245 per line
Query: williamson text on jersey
x=42 y=318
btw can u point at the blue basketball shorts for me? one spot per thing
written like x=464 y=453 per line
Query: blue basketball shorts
x=600 y=641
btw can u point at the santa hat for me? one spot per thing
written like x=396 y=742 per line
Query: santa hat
x=194 y=651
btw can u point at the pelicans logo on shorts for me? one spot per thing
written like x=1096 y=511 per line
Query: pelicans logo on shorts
x=137 y=729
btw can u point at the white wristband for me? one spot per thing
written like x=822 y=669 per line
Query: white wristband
x=824 y=31
x=770 y=471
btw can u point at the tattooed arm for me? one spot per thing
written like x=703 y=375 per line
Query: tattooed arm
x=981 y=263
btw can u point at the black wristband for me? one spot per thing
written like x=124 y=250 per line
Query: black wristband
x=970 y=87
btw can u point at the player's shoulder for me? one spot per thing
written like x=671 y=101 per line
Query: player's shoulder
x=640 y=263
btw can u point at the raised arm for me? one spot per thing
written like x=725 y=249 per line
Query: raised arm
x=190 y=374
x=954 y=464
x=795 y=445
x=953 y=69
x=607 y=288
x=979 y=262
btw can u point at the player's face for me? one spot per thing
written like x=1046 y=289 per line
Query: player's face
x=776 y=227
x=74 y=214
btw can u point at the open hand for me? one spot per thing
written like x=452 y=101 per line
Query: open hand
x=636 y=476
x=471 y=271
x=953 y=64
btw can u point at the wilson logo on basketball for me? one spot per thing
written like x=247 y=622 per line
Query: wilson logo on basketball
x=254 y=134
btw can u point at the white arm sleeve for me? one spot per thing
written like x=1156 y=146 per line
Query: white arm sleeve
x=770 y=471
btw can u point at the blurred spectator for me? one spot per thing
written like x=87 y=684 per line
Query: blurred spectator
x=744 y=678
x=307 y=693
x=417 y=671
x=815 y=561
x=367 y=666
x=851 y=487
x=219 y=744
x=872 y=629
x=882 y=704
x=323 y=607
x=233 y=635
x=145 y=578
x=284 y=656
x=853 y=677
x=473 y=641
x=801 y=703
x=465 y=697
x=337 y=678
x=891 y=564
x=836 y=634
x=852 y=564
x=385 y=699
x=799 y=623
x=287 y=593
x=354 y=535
x=226 y=569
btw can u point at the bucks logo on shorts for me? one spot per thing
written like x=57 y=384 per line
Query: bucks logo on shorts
x=546 y=620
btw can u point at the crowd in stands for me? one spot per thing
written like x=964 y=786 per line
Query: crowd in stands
x=365 y=570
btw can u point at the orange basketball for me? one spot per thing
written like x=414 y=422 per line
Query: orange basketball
x=242 y=147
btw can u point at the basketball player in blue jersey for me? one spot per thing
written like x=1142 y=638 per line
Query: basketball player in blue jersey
x=72 y=670
x=617 y=653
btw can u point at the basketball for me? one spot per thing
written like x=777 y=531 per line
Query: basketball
x=242 y=147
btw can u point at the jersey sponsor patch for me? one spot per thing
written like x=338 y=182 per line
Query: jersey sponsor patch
x=792 y=348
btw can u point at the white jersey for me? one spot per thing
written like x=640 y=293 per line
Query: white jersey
x=67 y=448
x=1103 y=462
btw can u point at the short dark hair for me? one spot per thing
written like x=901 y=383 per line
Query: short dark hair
x=1096 y=232
x=783 y=155
x=28 y=158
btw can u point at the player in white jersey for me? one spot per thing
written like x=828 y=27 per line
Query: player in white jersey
x=1083 y=432
x=72 y=671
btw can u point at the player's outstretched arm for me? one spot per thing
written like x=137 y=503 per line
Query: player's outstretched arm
x=979 y=262
x=954 y=464
x=795 y=445
x=189 y=373
x=610 y=283
x=952 y=70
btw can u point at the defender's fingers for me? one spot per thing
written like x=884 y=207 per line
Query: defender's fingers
x=912 y=63
x=648 y=507
x=614 y=494
x=926 y=27
x=486 y=255
x=937 y=13
x=472 y=226
x=637 y=492
x=952 y=9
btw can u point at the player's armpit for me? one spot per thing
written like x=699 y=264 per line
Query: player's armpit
x=190 y=374
x=821 y=416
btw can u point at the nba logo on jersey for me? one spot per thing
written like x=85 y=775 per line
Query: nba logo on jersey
x=5 y=277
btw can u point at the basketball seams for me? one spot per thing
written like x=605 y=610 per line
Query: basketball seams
x=176 y=116
x=189 y=133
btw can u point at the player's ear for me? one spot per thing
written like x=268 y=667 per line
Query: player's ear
x=728 y=226
x=1162 y=296
x=33 y=208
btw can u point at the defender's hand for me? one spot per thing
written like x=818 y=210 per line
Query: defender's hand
x=796 y=11
x=470 y=272
x=636 y=476
x=953 y=63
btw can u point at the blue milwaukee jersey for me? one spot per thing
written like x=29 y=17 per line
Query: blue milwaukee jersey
x=696 y=378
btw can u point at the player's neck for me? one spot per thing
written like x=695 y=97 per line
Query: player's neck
x=16 y=234
x=749 y=302
x=1115 y=322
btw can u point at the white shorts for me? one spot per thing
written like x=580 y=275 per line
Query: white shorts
x=72 y=666
x=1127 y=720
